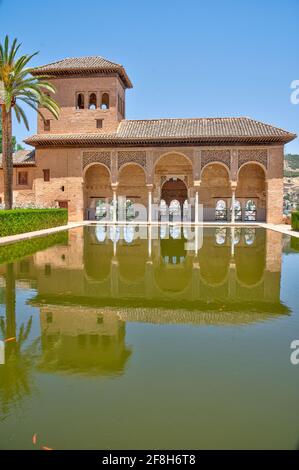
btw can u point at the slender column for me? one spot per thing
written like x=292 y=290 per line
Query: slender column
x=114 y=188
x=233 y=188
x=149 y=204
x=232 y=242
x=196 y=214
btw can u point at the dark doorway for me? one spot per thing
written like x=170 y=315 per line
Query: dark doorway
x=63 y=204
x=174 y=189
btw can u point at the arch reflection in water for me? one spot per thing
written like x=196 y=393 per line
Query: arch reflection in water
x=249 y=235
x=175 y=232
x=168 y=275
x=114 y=233
x=129 y=233
x=220 y=235
x=100 y=232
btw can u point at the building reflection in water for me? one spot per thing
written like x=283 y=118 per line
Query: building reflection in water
x=88 y=288
x=82 y=340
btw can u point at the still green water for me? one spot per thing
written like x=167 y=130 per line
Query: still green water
x=131 y=338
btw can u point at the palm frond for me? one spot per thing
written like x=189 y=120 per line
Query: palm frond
x=20 y=115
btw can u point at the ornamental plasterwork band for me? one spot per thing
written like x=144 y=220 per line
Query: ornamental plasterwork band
x=138 y=156
x=96 y=157
x=165 y=178
x=210 y=156
x=258 y=155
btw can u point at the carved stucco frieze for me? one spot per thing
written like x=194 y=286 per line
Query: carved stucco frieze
x=135 y=156
x=253 y=155
x=96 y=157
x=211 y=156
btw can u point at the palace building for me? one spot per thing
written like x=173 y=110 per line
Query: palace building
x=92 y=155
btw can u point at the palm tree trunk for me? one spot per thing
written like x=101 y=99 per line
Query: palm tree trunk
x=7 y=162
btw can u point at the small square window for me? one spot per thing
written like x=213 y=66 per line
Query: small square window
x=99 y=123
x=46 y=175
x=47 y=124
x=23 y=178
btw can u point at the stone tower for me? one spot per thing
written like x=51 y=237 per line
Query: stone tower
x=90 y=92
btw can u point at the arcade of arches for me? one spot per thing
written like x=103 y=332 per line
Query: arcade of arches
x=176 y=179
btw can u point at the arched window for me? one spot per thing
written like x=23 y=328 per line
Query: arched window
x=101 y=209
x=186 y=207
x=105 y=101
x=220 y=211
x=130 y=211
x=92 y=101
x=250 y=210
x=80 y=101
x=163 y=207
x=238 y=210
x=175 y=207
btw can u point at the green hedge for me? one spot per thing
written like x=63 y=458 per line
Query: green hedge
x=28 y=220
x=295 y=220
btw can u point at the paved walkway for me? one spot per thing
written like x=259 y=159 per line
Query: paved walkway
x=282 y=228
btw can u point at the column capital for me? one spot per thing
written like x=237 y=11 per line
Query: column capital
x=233 y=185
x=114 y=186
x=196 y=183
x=150 y=186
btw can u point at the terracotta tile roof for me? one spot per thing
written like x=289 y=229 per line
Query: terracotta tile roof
x=175 y=131
x=22 y=158
x=91 y=64
x=204 y=127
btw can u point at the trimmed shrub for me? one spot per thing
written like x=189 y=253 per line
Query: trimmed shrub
x=295 y=220
x=28 y=220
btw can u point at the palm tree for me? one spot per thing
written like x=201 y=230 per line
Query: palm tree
x=17 y=84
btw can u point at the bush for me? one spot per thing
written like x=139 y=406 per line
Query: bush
x=28 y=220
x=295 y=220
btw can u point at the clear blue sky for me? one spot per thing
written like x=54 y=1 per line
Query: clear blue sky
x=187 y=58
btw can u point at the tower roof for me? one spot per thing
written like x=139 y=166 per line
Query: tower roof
x=83 y=65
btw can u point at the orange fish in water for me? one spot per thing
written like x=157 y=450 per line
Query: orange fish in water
x=46 y=448
x=7 y=340
x=34 y=439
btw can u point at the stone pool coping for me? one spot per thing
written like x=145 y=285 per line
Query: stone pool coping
x=282 y=228
x=38 y=233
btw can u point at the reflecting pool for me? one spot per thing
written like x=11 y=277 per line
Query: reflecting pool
x=131 y=337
